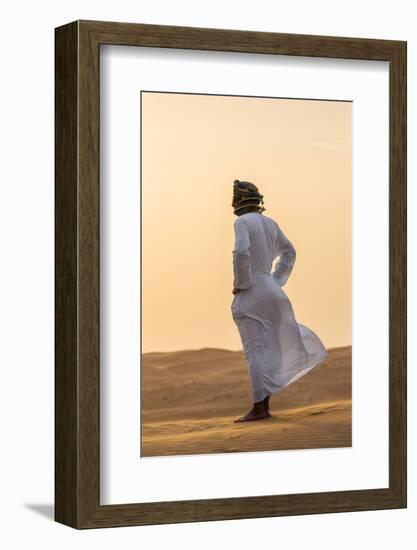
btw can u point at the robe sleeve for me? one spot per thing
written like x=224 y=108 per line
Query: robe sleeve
x=241 y=256
x=287 y=255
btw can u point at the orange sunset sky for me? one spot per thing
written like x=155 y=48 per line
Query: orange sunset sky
x=299 y=154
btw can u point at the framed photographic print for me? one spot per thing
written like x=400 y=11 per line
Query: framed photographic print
x=230 y=274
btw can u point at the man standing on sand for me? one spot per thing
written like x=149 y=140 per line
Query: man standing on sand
x=277 y=349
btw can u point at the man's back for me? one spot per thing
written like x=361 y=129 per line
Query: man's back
x=259 y=240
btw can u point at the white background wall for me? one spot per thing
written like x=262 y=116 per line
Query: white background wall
x=27 y=272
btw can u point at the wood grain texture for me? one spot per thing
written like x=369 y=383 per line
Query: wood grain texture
x=66 y=236
x=398 y=274
x=77 y=371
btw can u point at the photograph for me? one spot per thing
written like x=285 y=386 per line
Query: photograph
x=230 y=274
x=246 y=273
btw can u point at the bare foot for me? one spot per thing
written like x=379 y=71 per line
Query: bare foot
x=266 y=405
x=252 y=415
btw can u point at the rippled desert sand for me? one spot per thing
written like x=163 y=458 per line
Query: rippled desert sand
x=190 y=399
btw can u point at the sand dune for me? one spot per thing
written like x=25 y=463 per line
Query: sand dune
x=190 y=399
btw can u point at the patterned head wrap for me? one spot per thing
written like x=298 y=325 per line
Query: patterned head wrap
x=245 y=194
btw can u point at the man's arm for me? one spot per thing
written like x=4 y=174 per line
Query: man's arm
x=287 y=256
x=241 y=256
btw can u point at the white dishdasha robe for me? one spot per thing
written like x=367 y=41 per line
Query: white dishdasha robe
x=277 y=349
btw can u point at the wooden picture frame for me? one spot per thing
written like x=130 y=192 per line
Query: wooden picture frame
x=77 y=358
